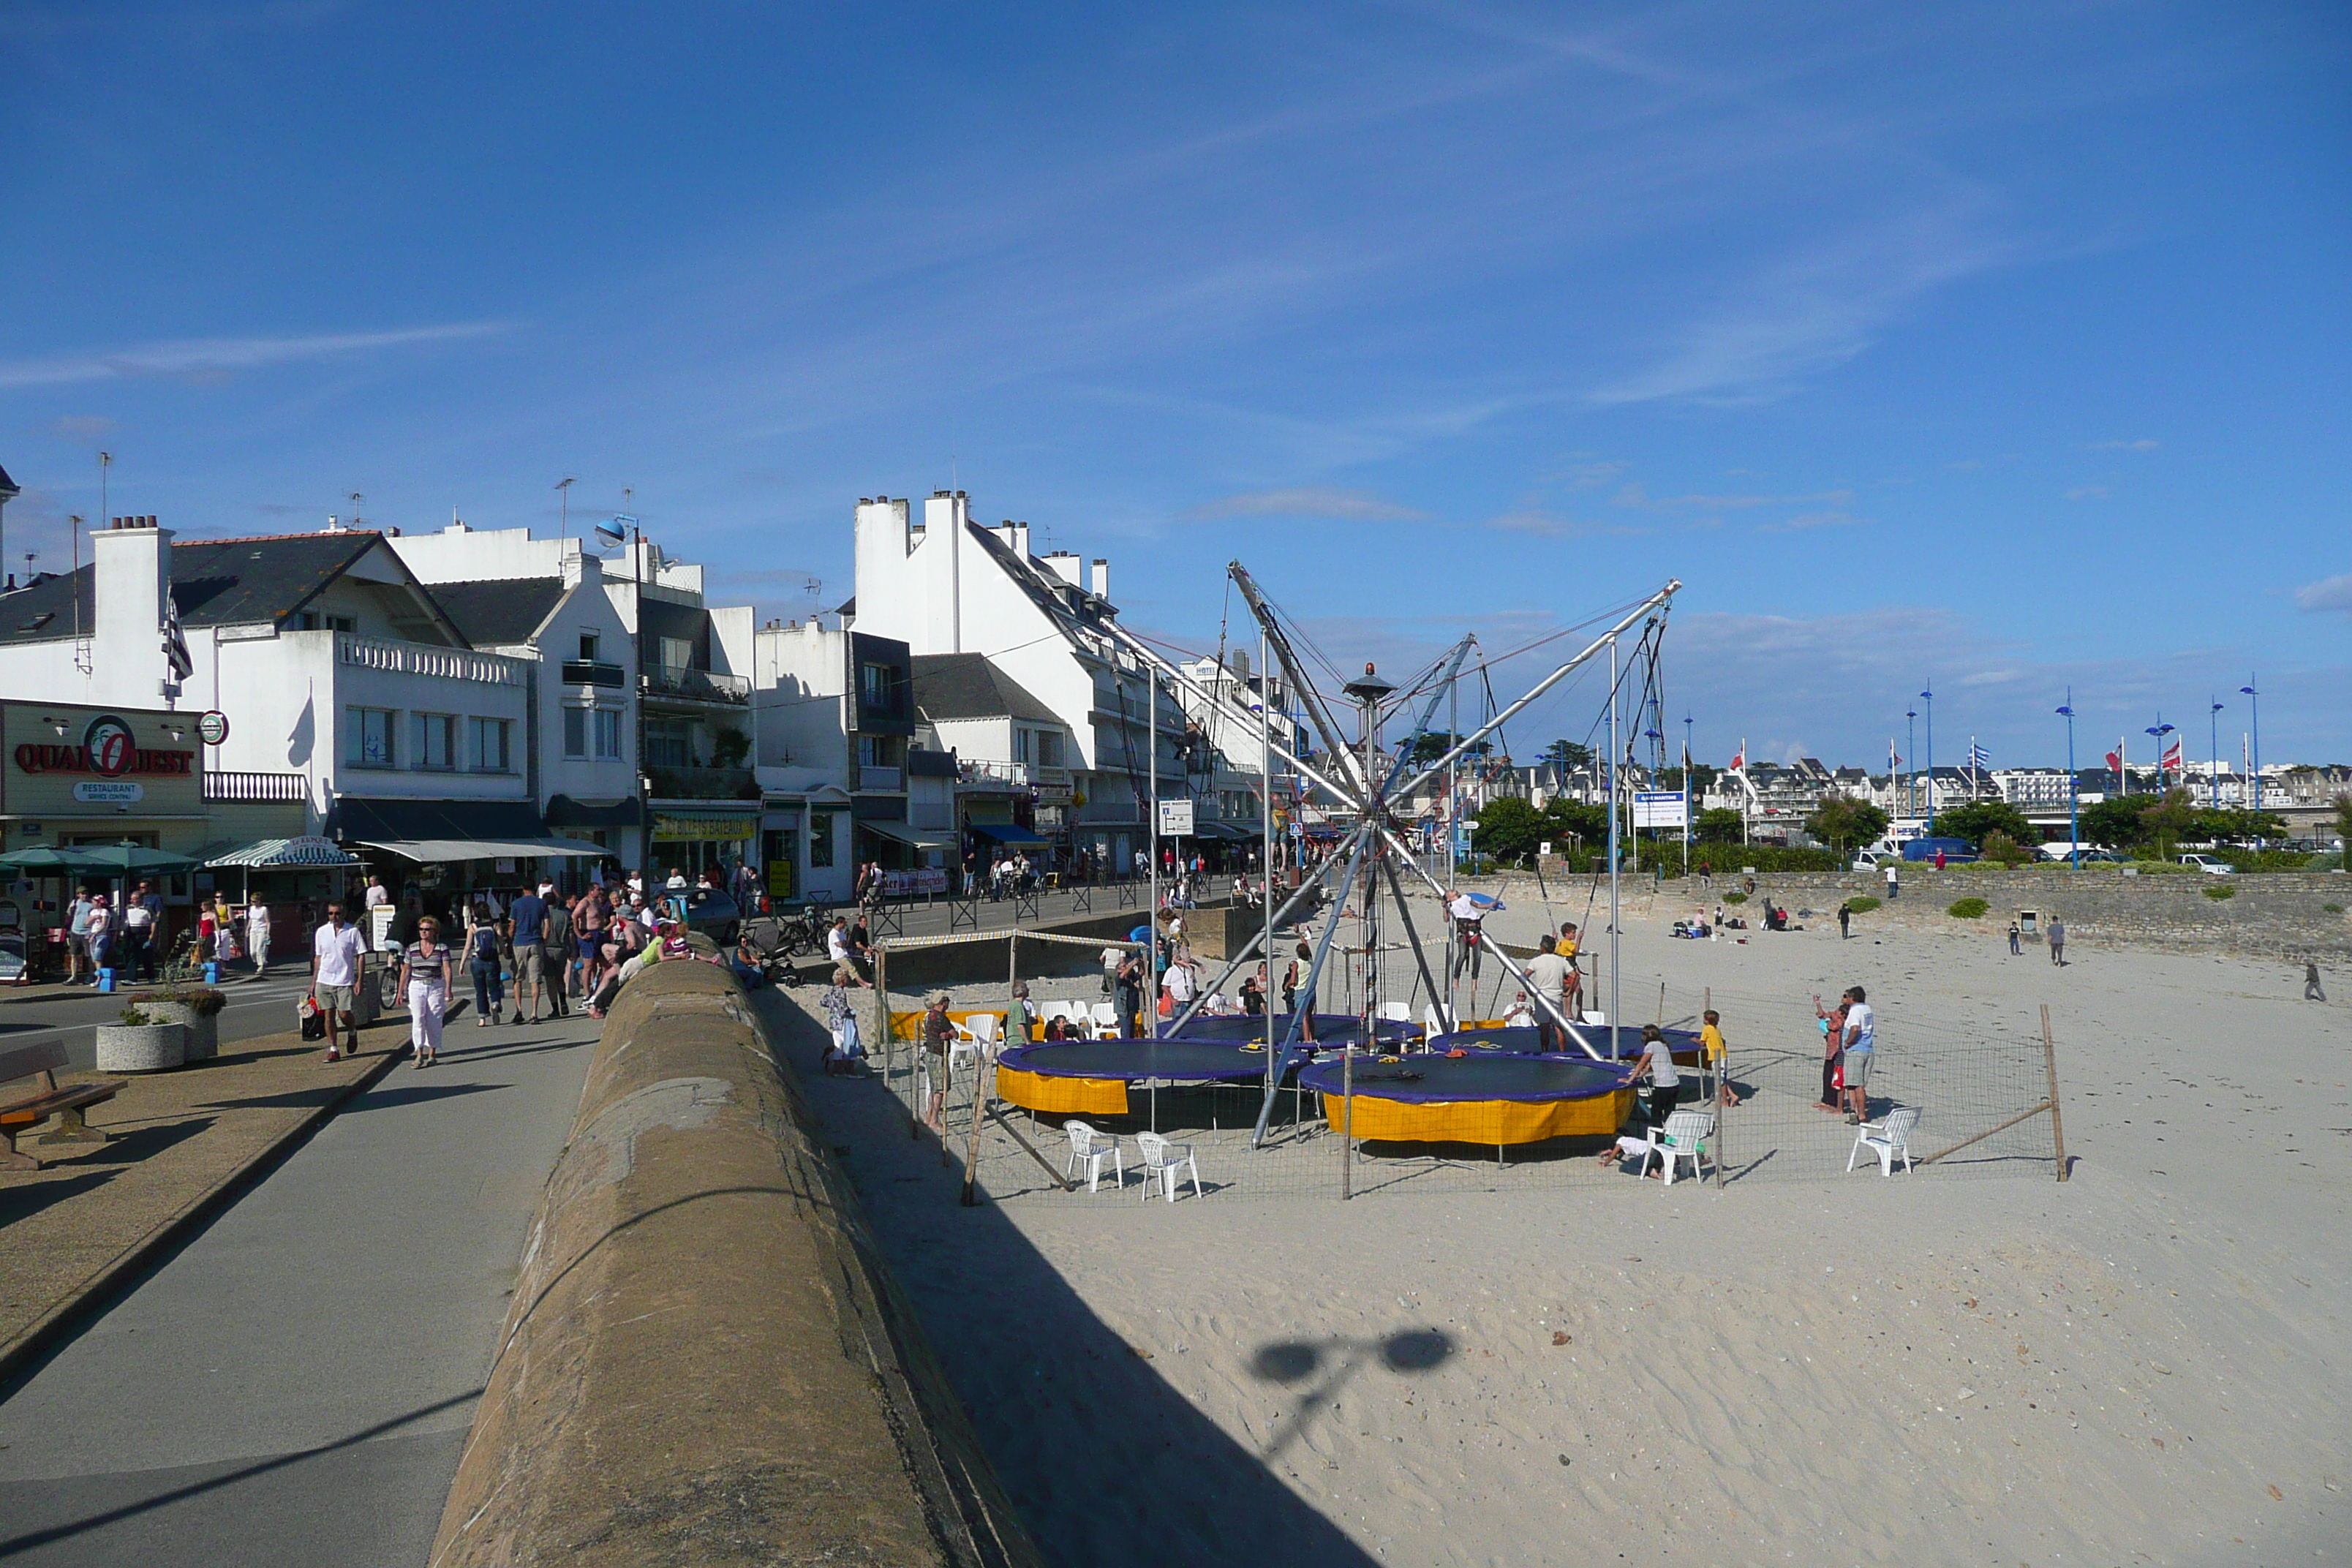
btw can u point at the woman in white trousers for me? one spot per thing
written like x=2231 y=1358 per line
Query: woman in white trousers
x=424 y=976
x=256 y=935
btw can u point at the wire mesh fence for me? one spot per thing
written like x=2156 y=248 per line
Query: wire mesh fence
x=1977 y=1083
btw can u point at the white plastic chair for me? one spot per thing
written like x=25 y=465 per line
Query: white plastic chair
x=1433 y=1022
x=1105 y=1018
x=1396 y=1012
x=1062 y=1008
x=1596 y=1020
x=1684 y=1137
x=1162 y=1160
x=1888 y=1139
x=1093 y=1148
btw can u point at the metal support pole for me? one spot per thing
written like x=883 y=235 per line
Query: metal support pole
x=1266 y=808
x=2057 y=1126
x=1616 y=981
x=1149 y=1027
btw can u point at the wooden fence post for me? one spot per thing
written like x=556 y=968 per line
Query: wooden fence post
x=2057 y=1126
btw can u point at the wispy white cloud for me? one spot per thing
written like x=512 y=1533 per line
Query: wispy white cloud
x=1309 y=501
x=1805 y=520
x=1634 y=495
x=209 y=357
x=2142 y=445
x=1552 y=525
x=1819 y=308
x=2327 y=594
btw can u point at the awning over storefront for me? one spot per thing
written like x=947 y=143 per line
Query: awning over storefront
x=1230 y=831
x=562 y=811
x=436 y=851
x=920 y=837
x=273 y=853
x=1007 y=833
x=363 y=819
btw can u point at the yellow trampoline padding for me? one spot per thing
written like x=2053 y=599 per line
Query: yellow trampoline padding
x=1058 y=1096
x=1483 y=1121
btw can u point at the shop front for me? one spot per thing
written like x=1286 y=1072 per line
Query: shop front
x=692 y=841
x=77 y=776
x=438 y=855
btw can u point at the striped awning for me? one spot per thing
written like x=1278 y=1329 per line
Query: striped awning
x=308 y=850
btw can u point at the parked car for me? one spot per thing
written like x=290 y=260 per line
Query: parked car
x=2211 y=865
x=713 y=913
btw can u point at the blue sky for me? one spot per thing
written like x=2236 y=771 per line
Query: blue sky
x=2002 y=349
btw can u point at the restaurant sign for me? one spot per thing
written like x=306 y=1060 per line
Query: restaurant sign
x=109 y=750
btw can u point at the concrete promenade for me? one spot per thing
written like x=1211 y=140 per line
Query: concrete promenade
x=292 y=1384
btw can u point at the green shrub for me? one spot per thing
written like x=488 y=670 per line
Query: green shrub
x=1969 y=910
x=2333 y=908
x=2163 y=867
x=1863 y=904
x=1734 y=898
x=2219 y=890
x=1727 y=859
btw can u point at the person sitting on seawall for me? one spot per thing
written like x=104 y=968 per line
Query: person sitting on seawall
x=745 y=962
x=669 y=945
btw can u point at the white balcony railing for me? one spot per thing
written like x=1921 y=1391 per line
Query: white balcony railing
x=398 y=657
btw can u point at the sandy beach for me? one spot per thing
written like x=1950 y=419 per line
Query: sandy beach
x=2145 y=1364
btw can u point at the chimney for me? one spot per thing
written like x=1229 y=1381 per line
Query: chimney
x=944 y=516
x=1102 y=578
x=1065 y=566
x=132 y=576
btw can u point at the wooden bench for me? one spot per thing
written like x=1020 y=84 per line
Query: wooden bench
x=66 y=1104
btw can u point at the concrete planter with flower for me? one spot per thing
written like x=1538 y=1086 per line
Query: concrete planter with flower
x=197 y=1006
x=140 y=1043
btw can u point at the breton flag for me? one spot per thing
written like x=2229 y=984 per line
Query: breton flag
x=175 y=644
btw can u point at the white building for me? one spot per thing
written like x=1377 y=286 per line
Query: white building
x=345 y=686
x=544 y=601
x=947 y=586
x=833 y=716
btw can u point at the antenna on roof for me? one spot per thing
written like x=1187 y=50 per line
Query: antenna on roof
x=564 y=485
x=356 y=498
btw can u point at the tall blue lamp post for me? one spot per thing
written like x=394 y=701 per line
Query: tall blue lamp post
x=1930 y=696
x=2073 y=808
x=2213 y=746
x=2248 y=689
x=2160 y=729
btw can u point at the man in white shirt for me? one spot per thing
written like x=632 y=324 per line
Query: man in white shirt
x=1182 y=984
x=335 y=961
x=377 y=893
x=1548 y=974
x=1860 y=1051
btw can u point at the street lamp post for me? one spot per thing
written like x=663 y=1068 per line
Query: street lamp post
x=1690 y=795
x=2248 y=689
x=1929 y=695
x=2073 y=806
x=2213 y=746
x=2158 y=731
x=1911 y=750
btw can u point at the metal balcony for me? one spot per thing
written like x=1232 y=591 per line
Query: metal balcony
x=683 y=684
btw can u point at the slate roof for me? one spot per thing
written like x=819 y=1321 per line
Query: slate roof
x=7 y=486
x=502 y=613
x=214 y=582
x=966 y=686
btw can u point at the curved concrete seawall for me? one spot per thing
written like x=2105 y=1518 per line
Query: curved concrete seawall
x=706 y=1362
